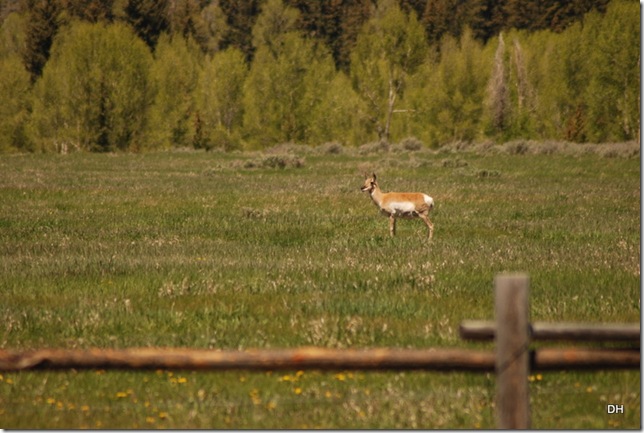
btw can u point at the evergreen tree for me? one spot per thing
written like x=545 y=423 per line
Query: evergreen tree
x=148 y=18
x=93 y=11
x=555 y=15
x=312 y=20
x=563 y=13
x=525 y=14
x=333 y=22
x=240 y=19
x=486 y=18
x=355 y=13
x=439 y=18
x=416 y=6
x=42 y=26
x=182 y=17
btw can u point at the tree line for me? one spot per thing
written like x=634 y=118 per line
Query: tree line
x=143 y=74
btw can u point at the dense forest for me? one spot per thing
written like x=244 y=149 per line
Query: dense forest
x=106 y=75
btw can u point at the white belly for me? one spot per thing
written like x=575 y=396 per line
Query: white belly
x=402 y=209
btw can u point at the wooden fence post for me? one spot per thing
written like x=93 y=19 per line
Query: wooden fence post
x=512 y=351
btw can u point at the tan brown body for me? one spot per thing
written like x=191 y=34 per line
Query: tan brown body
x=400 y=204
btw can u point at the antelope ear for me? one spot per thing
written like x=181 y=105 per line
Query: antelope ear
x=374 y=176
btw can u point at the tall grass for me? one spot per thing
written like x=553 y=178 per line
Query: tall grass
x=214 y=250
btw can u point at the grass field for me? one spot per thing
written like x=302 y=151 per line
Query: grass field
x=235 y=251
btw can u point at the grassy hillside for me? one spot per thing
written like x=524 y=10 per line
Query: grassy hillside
x=214 y=250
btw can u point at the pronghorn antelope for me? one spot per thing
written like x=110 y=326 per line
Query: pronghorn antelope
x=400 y=204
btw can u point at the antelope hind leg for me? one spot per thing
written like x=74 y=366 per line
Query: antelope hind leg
x=430 y=226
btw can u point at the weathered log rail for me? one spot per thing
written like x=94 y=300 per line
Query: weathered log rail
x=282 y=359
x=308 y=358
x=543 y=331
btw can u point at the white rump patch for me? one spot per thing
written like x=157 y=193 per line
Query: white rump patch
x=428 y=200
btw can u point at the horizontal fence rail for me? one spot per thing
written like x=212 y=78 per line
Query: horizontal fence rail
x=582 y=359
x=543 y=331
x=268 y=359
x=308 y=358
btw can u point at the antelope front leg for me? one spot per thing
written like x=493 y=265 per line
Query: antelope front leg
x=392 y=225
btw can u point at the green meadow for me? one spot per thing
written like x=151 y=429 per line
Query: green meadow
x=281 y=249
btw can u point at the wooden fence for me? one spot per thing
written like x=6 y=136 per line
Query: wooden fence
x=512 y=359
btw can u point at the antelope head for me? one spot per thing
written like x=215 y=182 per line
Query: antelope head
x=369 y=183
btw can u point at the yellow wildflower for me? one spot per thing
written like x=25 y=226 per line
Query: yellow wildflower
x=254 y=396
